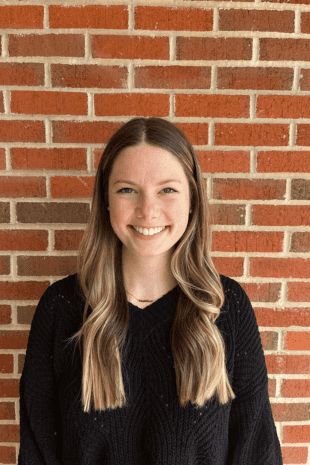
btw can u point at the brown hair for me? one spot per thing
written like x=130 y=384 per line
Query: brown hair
x=200 y=373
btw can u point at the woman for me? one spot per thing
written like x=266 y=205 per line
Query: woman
x=190 y=383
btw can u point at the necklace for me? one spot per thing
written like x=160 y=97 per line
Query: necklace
x=144 y=300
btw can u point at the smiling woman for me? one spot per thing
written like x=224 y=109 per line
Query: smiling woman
x=171 y=368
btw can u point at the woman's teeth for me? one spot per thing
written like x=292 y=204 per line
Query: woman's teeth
x=149 y=232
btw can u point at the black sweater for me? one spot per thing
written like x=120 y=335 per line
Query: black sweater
x=152 y=428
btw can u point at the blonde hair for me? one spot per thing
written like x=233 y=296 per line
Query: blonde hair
x=197 y=345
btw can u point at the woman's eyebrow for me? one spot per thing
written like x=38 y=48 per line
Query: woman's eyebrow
x=159 y=184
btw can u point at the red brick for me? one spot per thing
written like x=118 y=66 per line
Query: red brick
x=283 y=106
x=21 y=74
x=217 y=106
x=281 y=215
x=220 y=161
x=89 y=76
x=7 y=411
x=262 y=292
x=5 y=315
x=130 y=47
x=173 y=19
x=5 y=268
x=303 y=134
x=298 y=292
x=300 y=242
x=7 y=454
x=5 y=212
x=10 y=433
x=247 y=241
x=283 y=162
x=8 y=388
x=229 y=266
x=284 y=49
x=48 y=159
x=1 y=103
x=288 y=364
x=47 y=45
x=85 y=132
x=72 y=187
x=255 y=78
x=68 y=240
x=173 y=77
x=23 y=239
x=304 y=79
x=132 y=104
x=296 y=340
x=21 y=362
x=2 y=159
x=22 y=131
x=24 y=290
x=248 y=189
x=46 y=266
x=25 y=315
x=251 y=134
x=282 y=317
x=213 y=48
x=6 y=363
x=256 y=20
x=272 y=387
x=291 y=412
x=269 y=340
x=21 y=17
x=295 y=388
x=13 y=339
x=227 y=214
x=22 y=186
x=88 y=16
x=296 y=433
x=279 y=267
x=47 y=212
x=292 y=2
x=294 y=454
x=305 y=22
x=48 y=103
x=197 y=133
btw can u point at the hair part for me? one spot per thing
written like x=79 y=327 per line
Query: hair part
x=197 y=345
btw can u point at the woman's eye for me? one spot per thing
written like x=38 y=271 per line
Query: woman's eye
x=129 y=188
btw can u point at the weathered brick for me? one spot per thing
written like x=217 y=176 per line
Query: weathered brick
x=247 y=241
x=24 y=290
x=21 y=17
x=288 y=364
x=7 y=411
x=45 y=212
x=262 y=292
x=226 y=106
x=255 y=78
x=1 y=103
x=251 y=134
x=284 y=49
x=303 y=134
x=2 y=159
x=5 y=315
x=132 y=104
x=25 y=314
x=247 y=189
x=72 y=187
x=281 y=215
x=48 y=159
x=48 y=103
x=173 y=77
x=279 y=267
x=68 y=240
x=4 y=212
x=84 y=132
x=9 y=433
x=304 y=79
x=46 y=45
x=81 y=76
x=213 y=48
x=88 y=16
x=291 y=412
x=269 y=340
x=5 y=267
x=300 y=189
x=305 y=23
x=21 y=74
x=23 y=240
x=130 y=47
x=256 y=20
x=22 y=186
x=281 y=162
x=22 y=131
x=220 y=161
x=6 y=363
x=283 y=106
x=296 y=340
x=300 y=242
x=46 y=266
x=282 y=317
x=227 y=214
x=298 y=292
x=161 y=18
x=21 y=362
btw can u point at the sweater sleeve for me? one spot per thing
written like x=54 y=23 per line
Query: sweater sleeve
x=39 y=414
x=253 y=437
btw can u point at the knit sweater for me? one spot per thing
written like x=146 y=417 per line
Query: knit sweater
x=152 y=429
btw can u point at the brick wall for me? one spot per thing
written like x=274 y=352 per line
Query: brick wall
x=235 y=77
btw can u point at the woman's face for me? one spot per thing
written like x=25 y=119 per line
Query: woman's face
x=139 y=195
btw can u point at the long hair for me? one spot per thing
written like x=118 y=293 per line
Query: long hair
x=197 y=345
